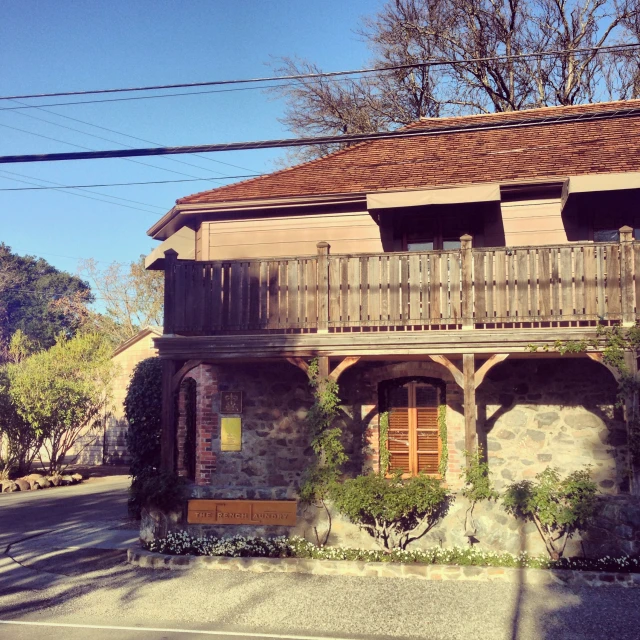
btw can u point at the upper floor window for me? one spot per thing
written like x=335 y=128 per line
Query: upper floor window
x=414 y=438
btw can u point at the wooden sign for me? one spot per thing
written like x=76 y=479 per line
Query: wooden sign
x=231 y=434
x=275 y=512
x=231 y=402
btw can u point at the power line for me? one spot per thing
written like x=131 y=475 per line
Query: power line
x=329 y=74
x=79 y=195
x=127 y=135
x=78 y=146
x=323 y=140
x=127 y=184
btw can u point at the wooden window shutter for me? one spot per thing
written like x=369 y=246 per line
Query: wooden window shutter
x=398 y=442
x=427 y=437
x=414 y=438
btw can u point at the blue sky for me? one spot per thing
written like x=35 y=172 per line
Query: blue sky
x=50 y=46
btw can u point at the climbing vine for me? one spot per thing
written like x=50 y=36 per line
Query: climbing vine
x=326 y=442
x=442 y=431
x=613 y=342
x=385 y=456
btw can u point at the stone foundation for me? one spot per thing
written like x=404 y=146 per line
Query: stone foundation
x=531 y=414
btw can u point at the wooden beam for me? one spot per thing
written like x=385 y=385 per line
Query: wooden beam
x=469 y=387
x=168 y=418
x=369 y=345
x=300 y=363
x=455 y=372
x=182 y=372
x=349 y=361
x=487 y=365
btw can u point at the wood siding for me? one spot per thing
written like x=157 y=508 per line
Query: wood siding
x=533 y=223
x=290 y=235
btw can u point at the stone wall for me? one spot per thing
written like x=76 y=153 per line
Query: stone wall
x=531 y=414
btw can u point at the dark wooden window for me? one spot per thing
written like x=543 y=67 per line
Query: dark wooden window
x=414 y=439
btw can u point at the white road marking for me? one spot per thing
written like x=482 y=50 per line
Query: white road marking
x=235 y=634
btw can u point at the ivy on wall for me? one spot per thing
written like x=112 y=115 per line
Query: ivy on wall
x=326 y=442
x=613 y=342
x=442 y=431
x=385 y=456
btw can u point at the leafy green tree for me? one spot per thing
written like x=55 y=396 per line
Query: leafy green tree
x=29 y=290
x=558 y=507
x=394 y=512
x=63 y=391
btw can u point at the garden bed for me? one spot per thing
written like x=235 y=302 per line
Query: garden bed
x=181 y=543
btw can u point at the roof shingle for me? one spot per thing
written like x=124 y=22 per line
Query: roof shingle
x=533 y=151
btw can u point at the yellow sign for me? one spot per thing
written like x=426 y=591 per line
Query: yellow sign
x=231 y=434
x=276 y=512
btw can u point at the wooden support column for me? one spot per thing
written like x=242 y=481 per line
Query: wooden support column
x=469 y=388
x=467 y=281
x=170 y=258
x=626 y=277
x=323 y=287
x=349 y=361
x=168 y=417
x=323 y=367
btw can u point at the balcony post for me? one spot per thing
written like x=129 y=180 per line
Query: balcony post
x=626 y=276
x=469 y=388
x=466 y=242
x=323 y=287
x=170 y=258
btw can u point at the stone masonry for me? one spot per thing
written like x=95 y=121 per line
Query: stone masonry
x=531 y=414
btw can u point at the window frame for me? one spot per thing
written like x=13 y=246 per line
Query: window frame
x=412 y=427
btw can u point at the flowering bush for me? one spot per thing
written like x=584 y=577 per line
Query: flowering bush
x=183 y=543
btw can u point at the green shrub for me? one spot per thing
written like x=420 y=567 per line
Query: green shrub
x=143 y=409
x=394 y=512
x=558 y=507
x=164 y=490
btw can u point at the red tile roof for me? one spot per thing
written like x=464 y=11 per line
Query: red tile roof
x=532 y=151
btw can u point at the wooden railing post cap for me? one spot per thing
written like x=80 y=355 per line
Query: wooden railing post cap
x=323 y=247
x=626 y=232
x=171 y=254
x=466 y=239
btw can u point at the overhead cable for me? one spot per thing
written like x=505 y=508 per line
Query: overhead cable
x=129 y=184
x=329 y=74
x=413 y=132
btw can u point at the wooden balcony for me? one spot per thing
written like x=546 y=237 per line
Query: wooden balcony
x=572 y=285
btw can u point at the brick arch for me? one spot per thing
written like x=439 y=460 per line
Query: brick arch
x=206 y=379
x=417 y=369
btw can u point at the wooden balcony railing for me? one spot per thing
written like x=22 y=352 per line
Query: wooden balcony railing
x=466 y=288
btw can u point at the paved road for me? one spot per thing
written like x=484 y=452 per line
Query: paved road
x=88 y=591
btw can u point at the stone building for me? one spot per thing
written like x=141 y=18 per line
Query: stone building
x=425 y=273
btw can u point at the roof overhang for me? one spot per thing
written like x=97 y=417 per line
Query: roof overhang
x=183 y=241
x=149 y=330
x=425 y=197
x=598 y=182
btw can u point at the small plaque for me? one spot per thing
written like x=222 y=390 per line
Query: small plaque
x=258 y=512
x=231 y=402
x=231 y=434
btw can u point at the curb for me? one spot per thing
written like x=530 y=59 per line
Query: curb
x=150 y=560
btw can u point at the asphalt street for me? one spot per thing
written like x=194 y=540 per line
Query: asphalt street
x=65 y=576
